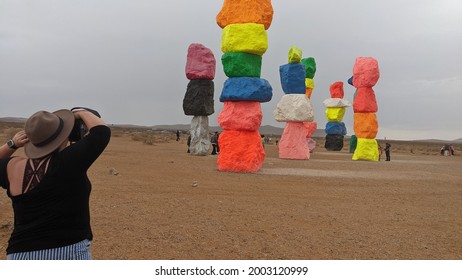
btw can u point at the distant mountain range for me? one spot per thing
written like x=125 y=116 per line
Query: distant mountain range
x=264 y=129
x=13 y=120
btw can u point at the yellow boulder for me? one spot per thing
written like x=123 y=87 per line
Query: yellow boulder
x=309 y=83
x=335 y=114
x=244 y=37
x=366 y=149
x=295 y=55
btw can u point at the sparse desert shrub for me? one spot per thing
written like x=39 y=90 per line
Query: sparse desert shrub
x=138 y=137
x=11 y=131
x=150 y=137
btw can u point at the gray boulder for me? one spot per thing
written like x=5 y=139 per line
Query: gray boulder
x=200 y=142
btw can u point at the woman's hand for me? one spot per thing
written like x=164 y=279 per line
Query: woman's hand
x=20 y=139
x=89 y=117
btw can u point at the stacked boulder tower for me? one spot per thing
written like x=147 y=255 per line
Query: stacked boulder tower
x=244 y=41
x=198 y=100
x=294 y=108
x=365 y=75
x=310 y=69
x=335 y=110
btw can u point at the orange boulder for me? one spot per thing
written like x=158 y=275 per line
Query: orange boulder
x=308 y=92
x=240 y=151
x=245 y=11
x=366 y=125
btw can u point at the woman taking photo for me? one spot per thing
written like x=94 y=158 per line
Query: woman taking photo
x=49 y=188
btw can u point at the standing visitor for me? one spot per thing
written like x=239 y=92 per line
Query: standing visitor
x=451 y=150
x=380 y=151
x=189 y=142
x=49 y=188
x=387 y=151
x=214 y=140
x=177 y=135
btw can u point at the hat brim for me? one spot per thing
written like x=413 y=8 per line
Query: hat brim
x=34 y=152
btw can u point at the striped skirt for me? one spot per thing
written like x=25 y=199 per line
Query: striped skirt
x=76 y=251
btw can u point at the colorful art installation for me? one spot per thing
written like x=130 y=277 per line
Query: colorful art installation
x=336 y=107
x=310 y=70
x=294 y=108
x=198 y=100
x=365 y=75
x=244 y=41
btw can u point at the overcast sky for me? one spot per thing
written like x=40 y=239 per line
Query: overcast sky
x=126 y=59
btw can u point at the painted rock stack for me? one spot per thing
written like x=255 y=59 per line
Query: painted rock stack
x=310 y=70
x=198 y=100
x=365 y=75
x=336 y=107
x=244 y=41
x=294 y=108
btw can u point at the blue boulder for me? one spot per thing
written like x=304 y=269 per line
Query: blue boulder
x=293 y=78
x=336 y=128
x=350 y=80
x=246 y=89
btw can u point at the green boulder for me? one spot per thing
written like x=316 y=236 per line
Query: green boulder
x=241 y=64
x=310 y=66
x=353 y=143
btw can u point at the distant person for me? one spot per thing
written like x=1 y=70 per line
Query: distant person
x=49 y=188
x=387 y=151
x=177 y=135
x=218 y=143
x=262 y=140
x=380 y=152
x=451 y=150
x=189 y=142
x=214 y=141
x=446 y=150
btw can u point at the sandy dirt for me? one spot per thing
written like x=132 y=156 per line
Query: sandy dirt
x=167 y=204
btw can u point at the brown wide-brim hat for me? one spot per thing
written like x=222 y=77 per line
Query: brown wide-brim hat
x=47 y=131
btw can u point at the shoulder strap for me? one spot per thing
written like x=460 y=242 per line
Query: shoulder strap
x=34 y=172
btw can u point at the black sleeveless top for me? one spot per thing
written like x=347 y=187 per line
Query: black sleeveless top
x=56 y=213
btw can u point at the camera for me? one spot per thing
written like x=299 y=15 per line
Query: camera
x=80 y=129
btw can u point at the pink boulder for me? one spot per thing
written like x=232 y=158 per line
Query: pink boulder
x=240 y=151
x=311 y=144
x=365 y=101
x=293 y=144
x=310 y=128
x=240 y=115
x=365 y=72
x=200 y=63
x=336 y=90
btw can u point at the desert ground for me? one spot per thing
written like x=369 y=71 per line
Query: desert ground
x=152 y=200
